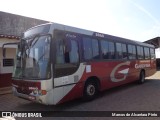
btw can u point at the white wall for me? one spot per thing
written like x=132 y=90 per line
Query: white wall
x=10 y=53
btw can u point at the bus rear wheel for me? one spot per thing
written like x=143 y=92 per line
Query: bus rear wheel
x=90 y=91
x=142 y=77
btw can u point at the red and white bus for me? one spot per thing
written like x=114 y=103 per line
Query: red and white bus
x=57 y=63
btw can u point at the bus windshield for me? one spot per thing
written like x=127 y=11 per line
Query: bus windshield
x=33 y=58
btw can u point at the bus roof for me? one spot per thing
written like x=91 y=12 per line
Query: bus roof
x=97 y=34
x=92 y=33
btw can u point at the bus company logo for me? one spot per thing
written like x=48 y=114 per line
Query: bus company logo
x=137 y=66
x=124 y=71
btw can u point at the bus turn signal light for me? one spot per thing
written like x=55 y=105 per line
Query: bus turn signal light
x=43 y=92
x=39 y=92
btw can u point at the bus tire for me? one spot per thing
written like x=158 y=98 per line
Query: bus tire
x=90 y=91
x=142 y=77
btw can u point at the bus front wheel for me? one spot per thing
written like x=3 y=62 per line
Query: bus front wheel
x=90 y=91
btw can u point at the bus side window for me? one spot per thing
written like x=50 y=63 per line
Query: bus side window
x=146 y=53
x=105 y=49
x=111 y=50
x=95 y=49
x=140 y=54
x=131 y=52
x=124 y=51
x=73 y=54
x=121 y=52
x=152 y=52
x=60 y=52
x=65 y=56
x=90 y=48
x=87 y=48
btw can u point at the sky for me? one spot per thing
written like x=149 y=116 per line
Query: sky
x=133 y=19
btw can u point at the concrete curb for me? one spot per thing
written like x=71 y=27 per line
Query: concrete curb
x=5 y=90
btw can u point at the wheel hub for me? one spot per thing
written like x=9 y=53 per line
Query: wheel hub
x=91 y=90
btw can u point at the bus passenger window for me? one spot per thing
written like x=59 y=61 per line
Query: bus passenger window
x=146 y=53
x=107 y=49
x=104 y=49
x=152 y=52
x=111 y=50
x=95 y=49
x=124 y=51
x=87 y=47
x=73 y=54
x=59 y=52
x=90 y=48
x=63 y=56
x=140 y=53
x=131 y=52
x=121 y=51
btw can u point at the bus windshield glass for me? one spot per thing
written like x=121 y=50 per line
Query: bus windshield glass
x=33 y=58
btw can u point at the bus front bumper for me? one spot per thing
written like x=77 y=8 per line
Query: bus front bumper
x=43 y=99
